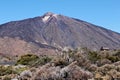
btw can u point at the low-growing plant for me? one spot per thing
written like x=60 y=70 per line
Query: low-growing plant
x=60 y=62
x=6 y=78
x=114 y=58
x=6 y=70
x=27 y=59
x=21 y=69
x=117 y=53
x=93 y=56
x=41 y=61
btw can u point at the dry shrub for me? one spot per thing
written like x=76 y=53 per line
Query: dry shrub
x=70 y=72
x=59 y=61
x=103 y=62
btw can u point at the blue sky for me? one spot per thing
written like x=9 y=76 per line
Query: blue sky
x=104 y=13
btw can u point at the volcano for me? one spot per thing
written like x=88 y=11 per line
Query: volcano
x=44 y=34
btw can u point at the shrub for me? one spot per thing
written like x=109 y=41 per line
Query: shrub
x=117 y=53
x=103 y=62
x=6 y=70
x=114 y=58
x=42 y=60
x=6 y=78
x=27 y=59
x=25 y=75
x=93 y=56
x=60 y=62
x=21 y=69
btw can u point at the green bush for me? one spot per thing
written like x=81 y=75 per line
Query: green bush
x=117 y=53
x=7 y=78
x=93 y=56
x=114 y=58
x=21 y=69
x=42 y=60
x=27 y=59
x=6 y=70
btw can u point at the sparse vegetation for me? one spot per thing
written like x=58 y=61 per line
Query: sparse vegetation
x=72 y=64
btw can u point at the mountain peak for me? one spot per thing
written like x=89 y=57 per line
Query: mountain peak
x=48 y=15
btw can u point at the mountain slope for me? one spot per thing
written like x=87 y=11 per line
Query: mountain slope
x=58 y=31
